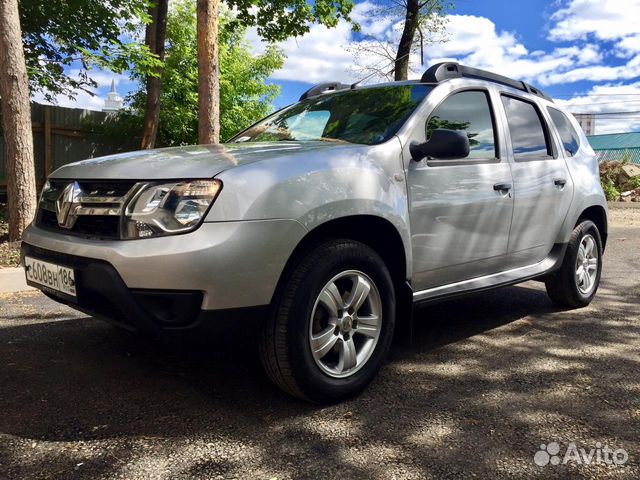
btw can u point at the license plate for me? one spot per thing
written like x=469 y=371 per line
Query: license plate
x=50 y=275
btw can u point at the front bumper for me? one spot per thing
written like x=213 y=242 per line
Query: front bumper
x=102 y=293
x=175 y=281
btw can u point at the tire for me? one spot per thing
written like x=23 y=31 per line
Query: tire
x=307 y=310
x=567 y=287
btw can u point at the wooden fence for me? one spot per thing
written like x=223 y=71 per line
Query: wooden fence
x=60 y=135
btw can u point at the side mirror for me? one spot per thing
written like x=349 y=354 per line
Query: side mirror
x=444 y=144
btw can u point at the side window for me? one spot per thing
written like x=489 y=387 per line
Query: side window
x=529 y=136
x=568 y=135
x=468 y=111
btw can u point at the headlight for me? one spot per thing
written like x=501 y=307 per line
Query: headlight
x=168 y=208
x=46 y=188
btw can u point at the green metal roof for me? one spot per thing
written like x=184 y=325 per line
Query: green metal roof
x=617 y=146
x=615 y=141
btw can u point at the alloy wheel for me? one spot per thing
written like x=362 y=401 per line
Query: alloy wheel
x=345 y=324
x=587 y=264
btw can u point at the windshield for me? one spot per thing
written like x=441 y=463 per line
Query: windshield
x=367 y=116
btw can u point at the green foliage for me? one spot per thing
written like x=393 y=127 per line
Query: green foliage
x=279 y=19
x=634 y=183
x=626 y=158
x=91 y=33
x=609 y=179
x=245 y=97
x=610 y=190
x=102 y=33
x=613 y=180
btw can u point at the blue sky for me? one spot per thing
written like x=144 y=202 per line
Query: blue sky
x=526 y=18
x=585 y=53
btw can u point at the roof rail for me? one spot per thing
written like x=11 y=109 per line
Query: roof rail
x=324 y=88
x=446 y=70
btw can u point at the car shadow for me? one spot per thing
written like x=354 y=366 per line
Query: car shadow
x=439 y=324
x=81 y=382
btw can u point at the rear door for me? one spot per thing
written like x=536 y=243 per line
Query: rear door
x=460 y=217
x=543 y=188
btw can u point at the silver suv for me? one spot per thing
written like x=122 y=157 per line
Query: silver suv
x=329 y=220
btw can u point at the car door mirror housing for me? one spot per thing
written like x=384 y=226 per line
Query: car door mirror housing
x=444 y=144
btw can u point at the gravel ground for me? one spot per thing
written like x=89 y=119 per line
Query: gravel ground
x=627 y=216
x=488 y=379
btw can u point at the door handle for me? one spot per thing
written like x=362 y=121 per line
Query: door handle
x=559 y=182
x=502 y=187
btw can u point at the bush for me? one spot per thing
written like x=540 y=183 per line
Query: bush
x=610 y=190
x=615 y=183
x=609 y=176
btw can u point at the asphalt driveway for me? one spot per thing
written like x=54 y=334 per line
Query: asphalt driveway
x=488 y=380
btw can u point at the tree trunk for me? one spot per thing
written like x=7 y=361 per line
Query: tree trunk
x=16 y=122
x=208 y=72
x=401 y=70
x=155 y=36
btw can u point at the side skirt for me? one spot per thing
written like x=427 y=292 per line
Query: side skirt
x=495 y=280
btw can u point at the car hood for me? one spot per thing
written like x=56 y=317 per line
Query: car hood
x=198 y=161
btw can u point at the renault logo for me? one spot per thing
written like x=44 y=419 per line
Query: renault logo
x=66 y=205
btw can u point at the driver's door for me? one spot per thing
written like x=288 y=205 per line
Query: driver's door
x=461 y=210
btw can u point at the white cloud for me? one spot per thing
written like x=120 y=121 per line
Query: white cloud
x=590 y=54
x=614 y=21
x=595 y=73
x=501 y=52
x=326 y=54
x=604 y=19
x=629 y=46
x=609 y=98
x=82 y=100
x=319 y=55
x=323 y=53
x=371 y=19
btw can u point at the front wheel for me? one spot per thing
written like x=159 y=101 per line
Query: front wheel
x=331 y=323
x=575 y=284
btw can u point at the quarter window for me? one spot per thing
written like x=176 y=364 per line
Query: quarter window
x=468 y=112
x=529 y=136
x=568 y=135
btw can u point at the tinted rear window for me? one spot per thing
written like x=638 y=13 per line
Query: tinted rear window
x=568 y=135
x=528 y=133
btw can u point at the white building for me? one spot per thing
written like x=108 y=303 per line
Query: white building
x=114 y=101
x=587 y=121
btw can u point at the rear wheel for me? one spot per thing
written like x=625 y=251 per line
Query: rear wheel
x=575 y=284
x=331 y=324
